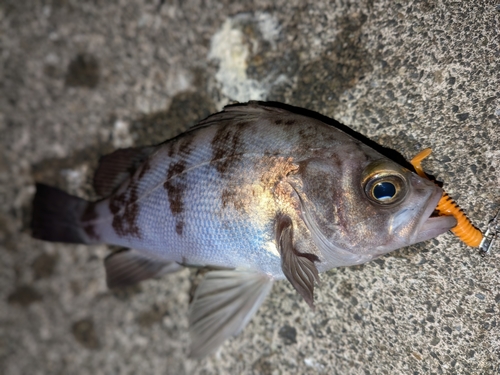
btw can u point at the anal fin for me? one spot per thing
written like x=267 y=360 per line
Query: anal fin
x=128 y=267
x=223 y=304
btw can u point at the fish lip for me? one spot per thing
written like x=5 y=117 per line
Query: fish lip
x=432 y=226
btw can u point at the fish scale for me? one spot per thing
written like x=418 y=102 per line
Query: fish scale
x=208 y=225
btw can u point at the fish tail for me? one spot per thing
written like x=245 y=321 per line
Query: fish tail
x=57 y=216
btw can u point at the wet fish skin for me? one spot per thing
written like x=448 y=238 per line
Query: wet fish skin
x=259 y=193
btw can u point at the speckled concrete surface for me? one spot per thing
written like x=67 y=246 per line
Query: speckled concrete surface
x=78 y=79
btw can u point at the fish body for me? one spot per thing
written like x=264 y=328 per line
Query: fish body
x=256 y=192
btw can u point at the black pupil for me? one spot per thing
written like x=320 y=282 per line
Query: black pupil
x=384 y=191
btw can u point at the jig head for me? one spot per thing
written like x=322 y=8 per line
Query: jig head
x=490 y=235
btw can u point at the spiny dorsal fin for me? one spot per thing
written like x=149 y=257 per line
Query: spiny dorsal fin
x=299 y=268
x=238 y=113
x=223 y=304
x=116 y=167
x=127 y=267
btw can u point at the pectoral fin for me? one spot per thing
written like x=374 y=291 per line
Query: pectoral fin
x=128 y=267
x=299 y=268
x=223 y=304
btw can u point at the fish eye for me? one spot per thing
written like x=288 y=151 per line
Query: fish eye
x=383 y=191
x=383 y=184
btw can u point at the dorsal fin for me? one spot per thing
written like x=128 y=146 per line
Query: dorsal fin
x=116 y=167
x=237 y=113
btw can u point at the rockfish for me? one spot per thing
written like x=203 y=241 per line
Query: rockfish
x=255 y=193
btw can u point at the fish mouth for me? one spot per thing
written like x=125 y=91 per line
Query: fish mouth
x=432 y=225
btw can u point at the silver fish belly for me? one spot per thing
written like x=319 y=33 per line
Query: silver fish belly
x=257 y=193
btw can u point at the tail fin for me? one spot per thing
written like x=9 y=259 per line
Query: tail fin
x=57 y=216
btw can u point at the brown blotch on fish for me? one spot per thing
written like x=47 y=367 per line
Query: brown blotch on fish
x=229 y=197
x=276 y=169
x=185 y=145
x=181 y=146
x=88 y=216
x=307 y=132
x=171 y=149
x=227 y=147
x=146 y=166
x=290 y=122
x=278 y=122
x=125 y=213
x=308 y=136
x=175 y=186
x=179 y=227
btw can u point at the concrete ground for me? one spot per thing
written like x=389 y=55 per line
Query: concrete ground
x=81 y=78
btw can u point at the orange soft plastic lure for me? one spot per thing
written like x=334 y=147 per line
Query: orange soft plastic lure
x=464 y=229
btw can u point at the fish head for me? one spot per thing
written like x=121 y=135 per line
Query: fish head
x=359 y=205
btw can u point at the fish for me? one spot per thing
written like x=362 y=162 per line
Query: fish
x=254 y=194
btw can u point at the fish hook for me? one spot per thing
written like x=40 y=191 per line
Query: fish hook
x=490 y=235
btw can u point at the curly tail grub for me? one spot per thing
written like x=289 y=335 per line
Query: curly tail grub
x=464 y=229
